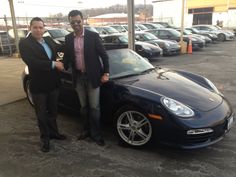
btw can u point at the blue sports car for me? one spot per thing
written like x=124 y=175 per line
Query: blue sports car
x=148 y=103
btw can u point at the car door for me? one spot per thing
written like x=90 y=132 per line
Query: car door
x=68 y=96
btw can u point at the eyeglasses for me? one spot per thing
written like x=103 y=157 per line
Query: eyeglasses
x=75 y=22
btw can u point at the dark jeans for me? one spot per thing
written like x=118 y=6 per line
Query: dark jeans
x=90 y=106
x=46 y=112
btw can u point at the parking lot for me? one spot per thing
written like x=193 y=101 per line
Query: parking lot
x=19 y=138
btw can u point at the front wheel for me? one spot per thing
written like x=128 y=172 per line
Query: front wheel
x=221 y=37
x=133 y=126
x=28 y=92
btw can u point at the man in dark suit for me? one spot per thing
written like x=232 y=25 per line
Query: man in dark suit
x=40 y=54
x=90 y=68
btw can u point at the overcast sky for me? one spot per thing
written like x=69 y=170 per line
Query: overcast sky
x=41 y=8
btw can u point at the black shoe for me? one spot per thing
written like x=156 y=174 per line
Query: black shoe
x=83 y=136
x=100 y=142
x=58 y=137
x=45 y=146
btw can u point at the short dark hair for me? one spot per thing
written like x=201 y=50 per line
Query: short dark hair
x=36 y=19
x=74 y=13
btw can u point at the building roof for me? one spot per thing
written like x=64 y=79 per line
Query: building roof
x=113 y=15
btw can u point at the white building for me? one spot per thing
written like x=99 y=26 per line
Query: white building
x=195 y=12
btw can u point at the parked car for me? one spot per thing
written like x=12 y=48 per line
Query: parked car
x=212 y=36
x=119 y=28
x=168 y=47
x=153 y=26
x=22 y=33
x=7 y=44
x=174 y=35
x=190 y=34
x=146 y=103
x=166 y=25
x=141 y=27
x=106 y=30
x=136 y=28
x=221 y=34
x=57 y=34
x=90 y=28
x=144 y=49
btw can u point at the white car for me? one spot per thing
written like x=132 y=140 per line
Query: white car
x=223 y=35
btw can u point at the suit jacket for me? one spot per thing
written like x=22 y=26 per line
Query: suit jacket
x=43 y=77
x=95 y=57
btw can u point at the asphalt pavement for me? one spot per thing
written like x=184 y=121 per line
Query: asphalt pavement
x=19 y=138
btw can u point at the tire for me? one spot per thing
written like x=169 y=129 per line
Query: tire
x=132 y=126
x=221 y=37
x=28 y=92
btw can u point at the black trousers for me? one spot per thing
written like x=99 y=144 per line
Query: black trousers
x=46 y=112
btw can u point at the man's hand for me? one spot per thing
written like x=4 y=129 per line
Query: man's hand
x=59 y=65
x=105 y=77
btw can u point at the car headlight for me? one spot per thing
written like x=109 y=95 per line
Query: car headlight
x=193 y=39
x=146 y=47
x=167 y=45
x=211 y=35
x=177 y=108
x=213 y=86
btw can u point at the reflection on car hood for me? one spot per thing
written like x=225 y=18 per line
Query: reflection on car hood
x=173 y=85
x=153 y=47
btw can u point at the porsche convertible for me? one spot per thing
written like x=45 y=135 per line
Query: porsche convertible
x=148 y=103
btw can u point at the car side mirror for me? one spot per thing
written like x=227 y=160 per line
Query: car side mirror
x=137 y=38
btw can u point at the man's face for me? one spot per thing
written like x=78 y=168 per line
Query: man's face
x=76 y=23
x=37 y=29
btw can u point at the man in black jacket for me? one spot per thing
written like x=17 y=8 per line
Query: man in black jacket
x=40 y=54
x=90 y=68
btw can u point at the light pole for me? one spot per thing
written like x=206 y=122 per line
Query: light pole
x=145 y=11
x=131 y=24
x=182 y=27
x=13 y=17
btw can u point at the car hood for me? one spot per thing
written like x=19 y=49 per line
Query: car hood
x=173 y=85
x=152 y=46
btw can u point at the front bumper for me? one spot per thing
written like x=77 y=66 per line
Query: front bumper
x=173 y=131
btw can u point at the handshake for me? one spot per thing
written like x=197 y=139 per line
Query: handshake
x=59 y=65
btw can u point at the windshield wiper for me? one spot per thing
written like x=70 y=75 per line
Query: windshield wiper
x=127 y=75
x=148 y=70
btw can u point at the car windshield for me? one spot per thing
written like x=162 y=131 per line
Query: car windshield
x=119 y=28
x=57 y=33
x=219 y=28
x=158 y=25
x=125 y=63
x=195 y=30
x=188 y=32
x=175 y=33
x=124 y=39
x=110 y=30
x=90 y=28
x=213 y=28
x=149 y=37
x=142 y=27
x=126 y=27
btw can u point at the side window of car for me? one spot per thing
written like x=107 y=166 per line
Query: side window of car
x=203 y=28
x=163 y=34
x=104 y=32
x=115 y=40
x=108 y=40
